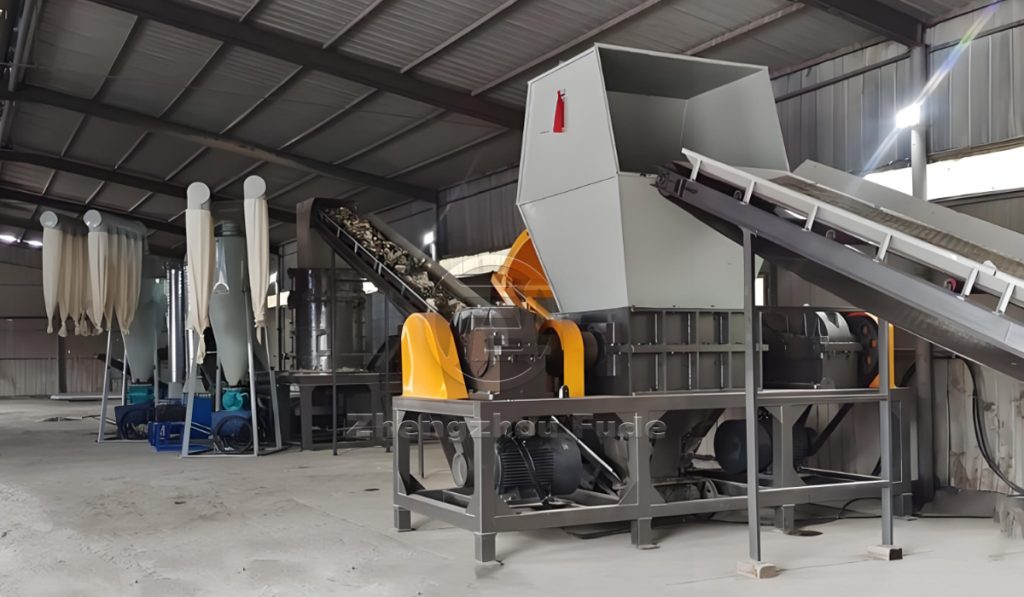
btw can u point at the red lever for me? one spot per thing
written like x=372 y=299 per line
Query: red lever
x=559 y=125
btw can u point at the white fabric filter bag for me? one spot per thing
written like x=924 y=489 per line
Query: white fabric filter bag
x=99 y=263
x=257 y=242
x=53 y=253
x=129 y=278
x=74 y=285
x=199 y=259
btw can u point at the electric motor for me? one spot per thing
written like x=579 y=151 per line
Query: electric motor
x=541 y=466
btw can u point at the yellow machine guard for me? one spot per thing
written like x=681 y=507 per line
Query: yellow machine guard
x=521 y=280
x=430 y=360
x=572 y=354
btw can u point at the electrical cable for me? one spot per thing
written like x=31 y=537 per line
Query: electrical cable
x=979 y=428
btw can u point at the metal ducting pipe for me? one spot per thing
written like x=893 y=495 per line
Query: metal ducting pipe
x=177 y=354
x=97 y=220
x=54 y=220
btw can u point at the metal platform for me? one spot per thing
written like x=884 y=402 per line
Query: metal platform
x=480 y=510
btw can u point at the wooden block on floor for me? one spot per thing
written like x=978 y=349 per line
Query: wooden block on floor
x=888 y=553
x=756 y=569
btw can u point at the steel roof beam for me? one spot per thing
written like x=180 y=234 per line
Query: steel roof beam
x=744 y=30
x=878 y=17
x=7 y=193
x=213 y=140
x=230 y=31
x=122 y=178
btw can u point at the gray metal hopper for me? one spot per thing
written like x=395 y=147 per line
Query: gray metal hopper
x=604 y=235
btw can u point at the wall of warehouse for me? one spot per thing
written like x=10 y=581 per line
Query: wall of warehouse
x=28 y=355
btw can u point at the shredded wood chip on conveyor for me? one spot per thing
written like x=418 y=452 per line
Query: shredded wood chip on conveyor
x=408 y=268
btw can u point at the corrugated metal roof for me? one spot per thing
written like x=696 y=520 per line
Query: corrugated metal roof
x=71 y=185
x=43 y=128
x=159 y=155
x=317 y=187
x=117 y=197
x=238 y=80
x=215 y=167
x=76 y=44
x=25 y=176
x=410 y=28
x=235 y=8
x=80 y=48
x=433 y=139
x=102 y=142
x=162 y=206
x=526 y=33
x=799 y=37
x=317 y=20
x=375 y=119
x=310 y=99
x=161 y=61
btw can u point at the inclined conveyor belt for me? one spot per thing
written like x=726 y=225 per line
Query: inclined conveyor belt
x=411 y=279
x=841 y=244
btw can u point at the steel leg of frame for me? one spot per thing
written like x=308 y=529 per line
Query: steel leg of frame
x=783 y=473
x=641 y=533
x=400 y=442
x=750 y=388
x=334 y=360
x=101 y=434
x=420 y=443
x=125 y=374
x=190 y=398
x=885 y=431
x=252 y=387
x=483 y=506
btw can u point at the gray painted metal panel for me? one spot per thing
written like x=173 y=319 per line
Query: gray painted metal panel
x=604 y=237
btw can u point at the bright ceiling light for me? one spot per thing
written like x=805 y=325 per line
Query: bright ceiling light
x=39 y=243
x=7 y=238
x=909 y=116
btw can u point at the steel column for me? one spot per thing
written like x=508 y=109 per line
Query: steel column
x=885 y=430
x=750 y=381
x=922 y=348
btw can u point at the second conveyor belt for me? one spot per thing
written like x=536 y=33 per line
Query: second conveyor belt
x=841 y=243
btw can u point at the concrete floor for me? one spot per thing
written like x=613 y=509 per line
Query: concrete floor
x=81 y=519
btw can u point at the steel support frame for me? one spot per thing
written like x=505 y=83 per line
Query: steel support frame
x=486 y=514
